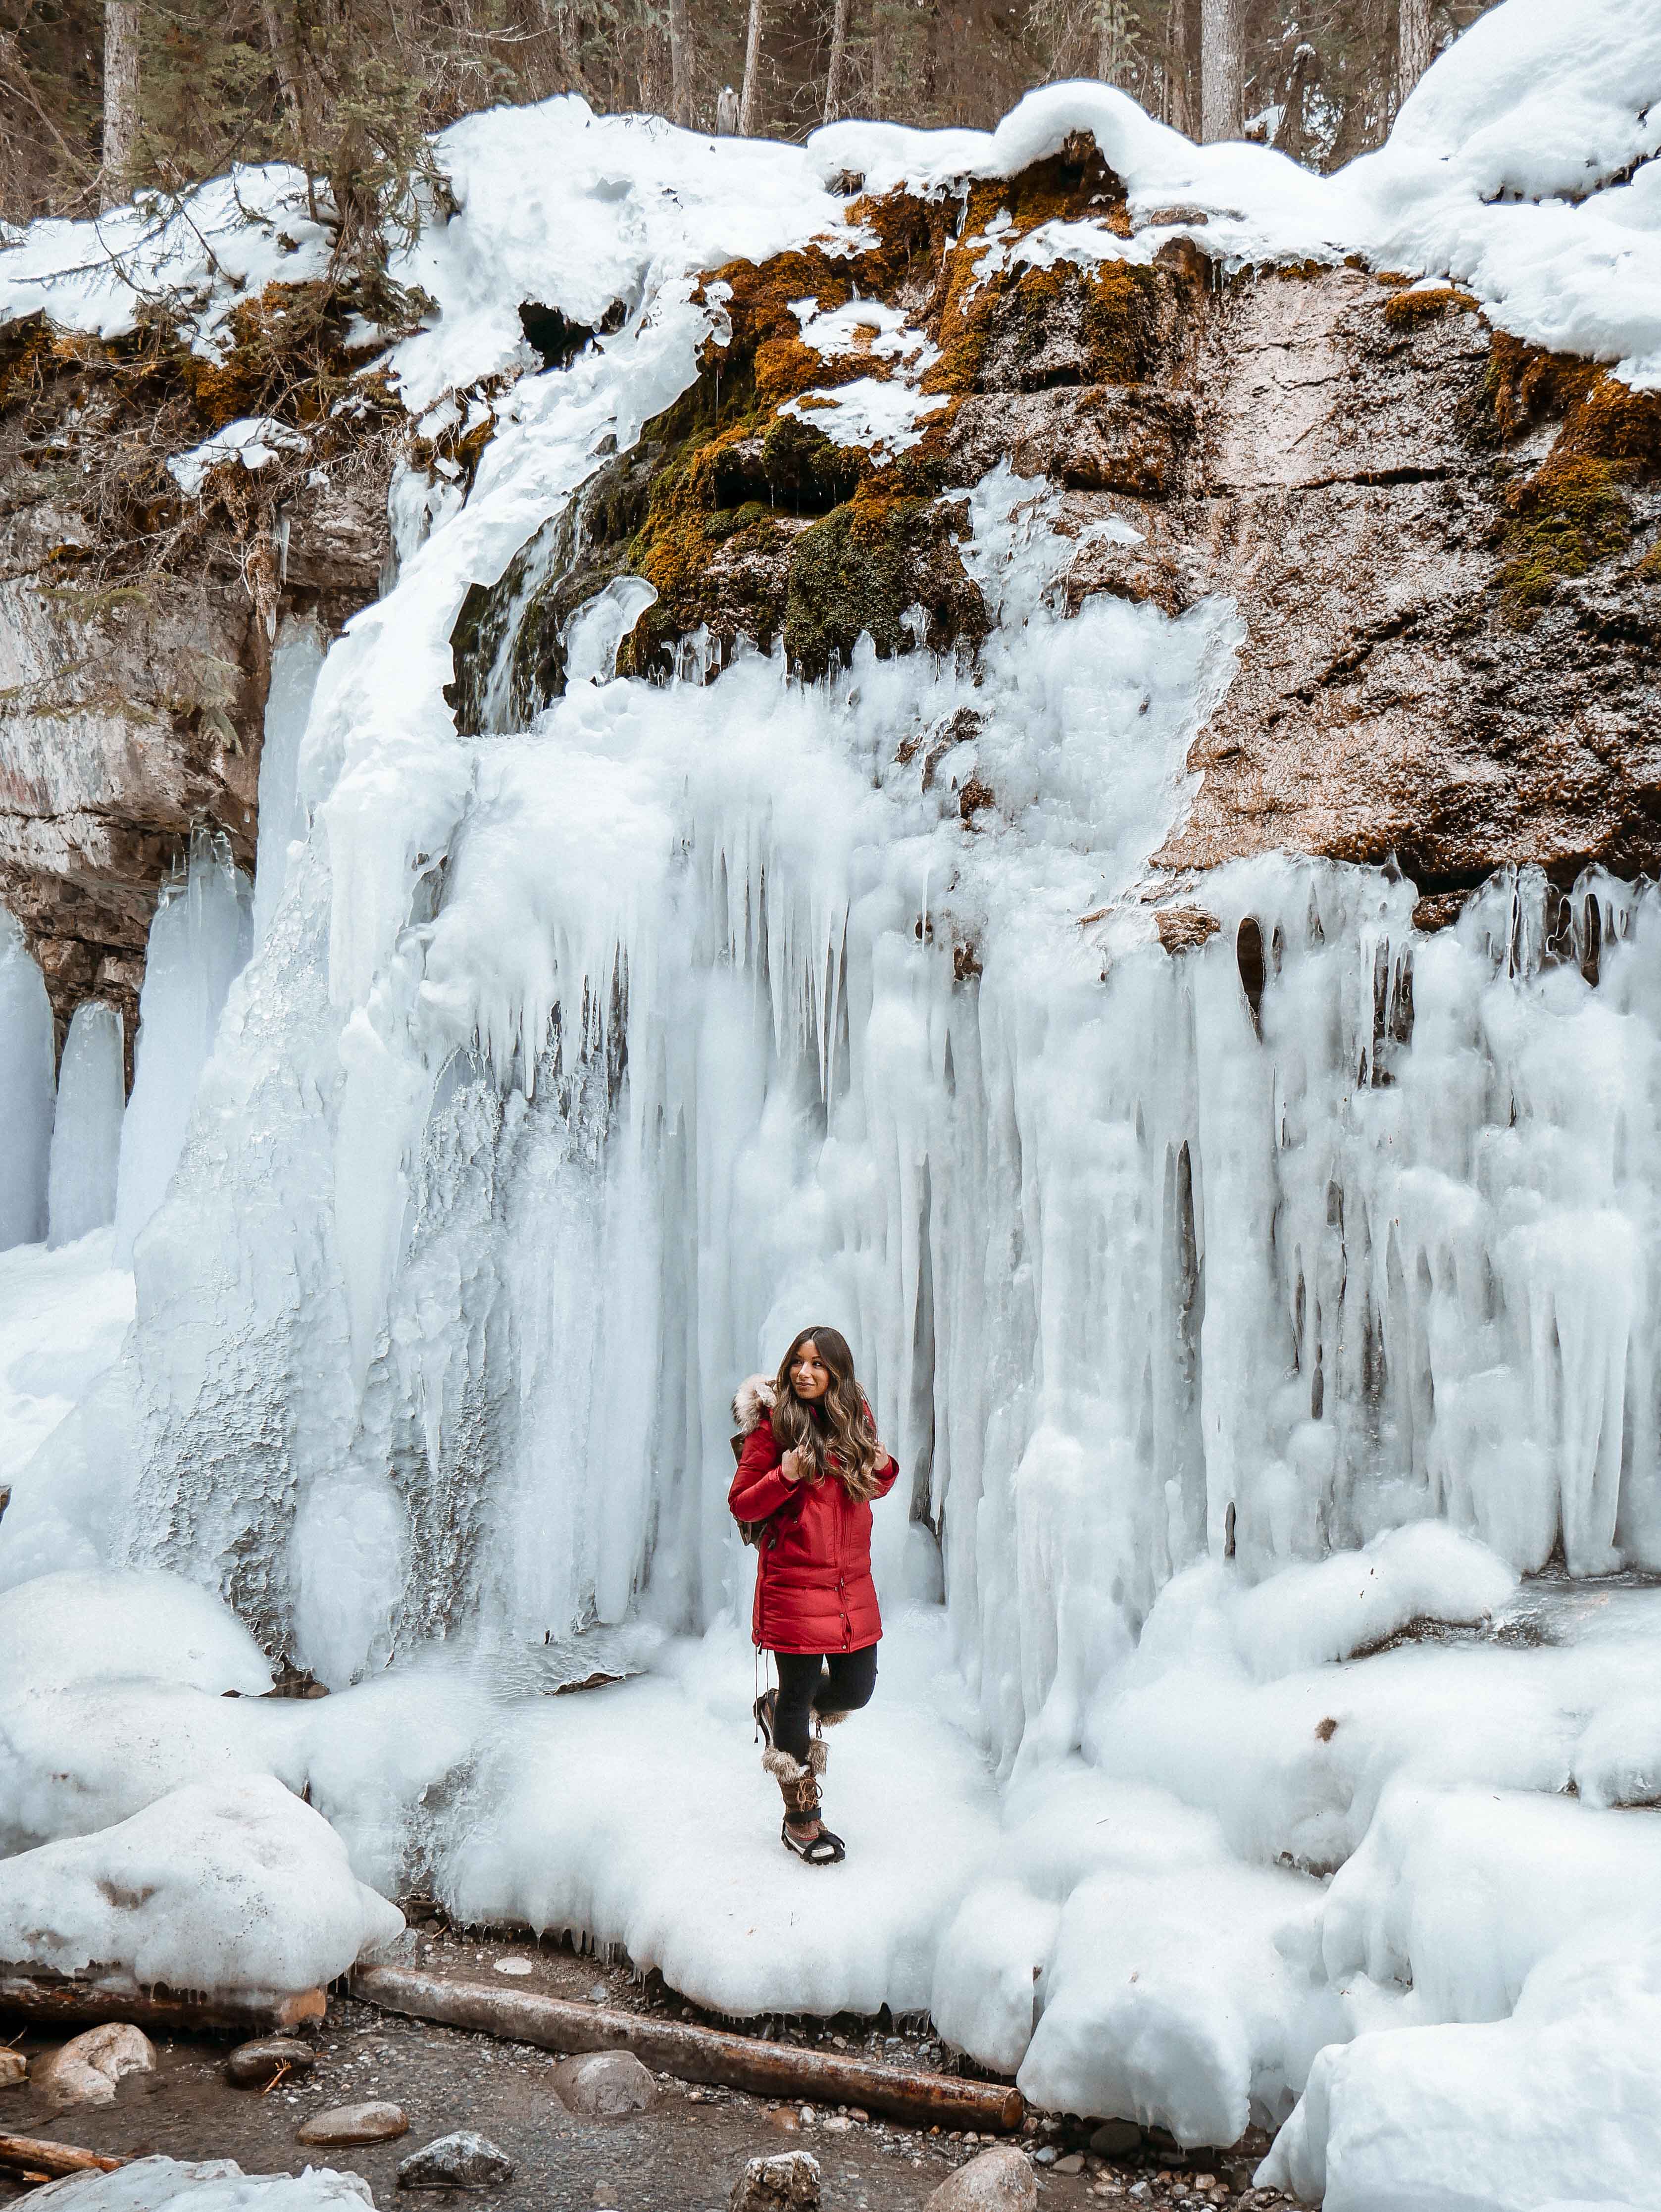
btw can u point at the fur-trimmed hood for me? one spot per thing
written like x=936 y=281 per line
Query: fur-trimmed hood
x=752 y=1398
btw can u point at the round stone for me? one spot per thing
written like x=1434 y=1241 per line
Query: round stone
x=604 y=2085
x=257 y=2065
x=345 y=2125
x=997 y=2180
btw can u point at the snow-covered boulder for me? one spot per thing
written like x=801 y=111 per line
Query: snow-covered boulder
x=220 y=1886
x=212 y=2185
x=85 y=1624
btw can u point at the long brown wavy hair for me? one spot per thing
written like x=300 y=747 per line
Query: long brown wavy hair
x=835 y=1436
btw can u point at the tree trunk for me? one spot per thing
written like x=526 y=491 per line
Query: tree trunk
x=1222 y=90
x=1413 y=49
x=281 y=48
x=1179 y=105
x=750 y=98
x=692 y=2053
x=838 y=55
x=120 y=100
x=680 y=64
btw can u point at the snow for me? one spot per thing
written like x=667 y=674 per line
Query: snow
x=884 y=415
x=63 y=1316
x=155 y=2184
x=80 y=1626
x=86 y=1132
x=234 y=1885
x=254 y=440
x=208 y=248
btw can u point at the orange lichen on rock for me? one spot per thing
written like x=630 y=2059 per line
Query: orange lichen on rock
x=1409 y=307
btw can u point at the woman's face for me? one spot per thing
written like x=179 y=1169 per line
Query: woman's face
x=809 y=1378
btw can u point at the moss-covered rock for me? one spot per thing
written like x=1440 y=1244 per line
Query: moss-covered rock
x=865 y=567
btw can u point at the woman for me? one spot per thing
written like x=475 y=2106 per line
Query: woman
x=808 y=1470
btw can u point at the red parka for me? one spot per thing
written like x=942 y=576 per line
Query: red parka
x=813 y=1586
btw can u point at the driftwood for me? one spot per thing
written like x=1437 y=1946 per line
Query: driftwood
x=33 y=2154
x=692 y=2054
x=55 y=2001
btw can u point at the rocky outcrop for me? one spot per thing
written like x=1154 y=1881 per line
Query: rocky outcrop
x=136 y=623
x=1444 y=544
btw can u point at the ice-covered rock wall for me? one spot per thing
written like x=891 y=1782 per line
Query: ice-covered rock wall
x=579 y=1063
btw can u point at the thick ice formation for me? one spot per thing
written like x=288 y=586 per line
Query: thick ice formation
x=232 y=1886
x=25 y=1091
x=199 y=941
x=1244 y=1323
x=86 y=1131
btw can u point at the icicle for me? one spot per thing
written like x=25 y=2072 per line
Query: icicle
x=86 y=1137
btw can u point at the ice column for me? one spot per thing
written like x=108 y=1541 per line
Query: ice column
x=86 y=1133
x=26 y=1084
x=295 y=666
x=199 y=940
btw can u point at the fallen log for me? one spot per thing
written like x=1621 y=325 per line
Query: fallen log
x=691 y=2053
x=54 y=2001
x=34 y=2155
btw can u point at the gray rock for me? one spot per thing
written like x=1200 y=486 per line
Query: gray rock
x=603 y=2085
x=998 y=2180
x=1116 y=2139
x=344 y=2124
x=13 y=2069
x=254 y=2065
x=462 y=2161
x=1072 y=2163
x=786 y=2182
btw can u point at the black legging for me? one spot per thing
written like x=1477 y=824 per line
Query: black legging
x=804 y=1689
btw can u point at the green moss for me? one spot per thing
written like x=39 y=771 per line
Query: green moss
x=1567 y=517
x=863 y=568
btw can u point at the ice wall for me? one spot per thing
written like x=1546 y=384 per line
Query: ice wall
x=198 y=942
x=579 y=1063
x=724 y=1021
x=25 y=1091
x=296 y=659
x=86 y=1133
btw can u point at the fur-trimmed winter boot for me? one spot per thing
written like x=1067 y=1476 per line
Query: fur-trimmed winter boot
x=799 y=1786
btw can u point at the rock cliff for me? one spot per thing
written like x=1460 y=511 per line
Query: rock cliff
x=137 y=617
x=1444 y=543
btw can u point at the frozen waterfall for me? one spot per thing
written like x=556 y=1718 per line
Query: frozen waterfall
x=25 y=1089
x=721 y=1019
x=86 y=1135
x=199 y=941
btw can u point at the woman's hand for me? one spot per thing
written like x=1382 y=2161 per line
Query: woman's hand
x=791 y=1466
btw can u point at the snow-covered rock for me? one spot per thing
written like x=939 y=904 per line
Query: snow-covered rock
x=215 y=2184
x=84 y=1625
x=233 y=1887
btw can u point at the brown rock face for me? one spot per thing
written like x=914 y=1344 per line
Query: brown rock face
x=135 y=639
x=1424 y=673
x=1443 y=543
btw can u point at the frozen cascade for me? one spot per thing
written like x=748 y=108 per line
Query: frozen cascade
x=86 y=1135
x=199 y=941
x=1147 y=1258
x=25 y=1089
x=296 y=659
